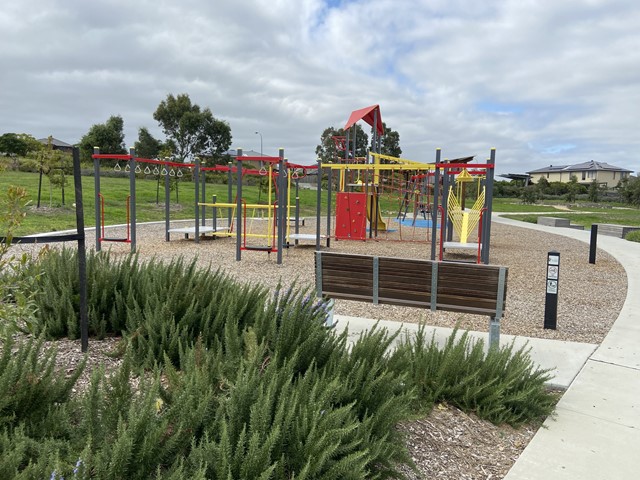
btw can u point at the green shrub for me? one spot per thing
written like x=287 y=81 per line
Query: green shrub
x=633 y=236
x=501 y=385
x=234 y=383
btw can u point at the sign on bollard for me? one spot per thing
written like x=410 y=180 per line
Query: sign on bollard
x=551 y=298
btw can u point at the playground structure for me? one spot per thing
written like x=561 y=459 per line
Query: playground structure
x=381 y=197
x=256 y=226
x=378 y=197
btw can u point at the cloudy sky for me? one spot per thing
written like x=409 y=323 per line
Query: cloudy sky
x=543 y=81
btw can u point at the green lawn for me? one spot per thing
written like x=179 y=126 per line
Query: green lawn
x=53 y=216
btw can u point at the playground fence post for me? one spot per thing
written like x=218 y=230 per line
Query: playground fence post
x=167 y=199
x=82 y=251
x=434 y=213
x=132 y=192
x=96 y=186
x=230 y=194
x=238 y=206
x=318 y=203
x=196 y=179
x=329 y=193
x=282 y=196
x=486 y=231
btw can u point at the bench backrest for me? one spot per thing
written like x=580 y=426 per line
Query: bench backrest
x=459 y=287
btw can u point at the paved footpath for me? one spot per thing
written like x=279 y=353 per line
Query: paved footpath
x=596 y=431
x=595 y=434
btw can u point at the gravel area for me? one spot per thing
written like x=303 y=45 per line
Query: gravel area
x=448 y=444
x=590 y=296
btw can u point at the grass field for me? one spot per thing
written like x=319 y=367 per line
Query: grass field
x=54 y=216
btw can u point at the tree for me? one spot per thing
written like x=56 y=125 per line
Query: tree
x=573 y=189
x=216 y=137
x=390 y=142
x=327 y=150
x=543 y=186
x=147 y=146
x=18 y=144
x=629 y=189
x=595 y=191
x=109 y=137
x=193 y=131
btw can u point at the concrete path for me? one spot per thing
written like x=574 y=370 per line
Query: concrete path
x=596 y=432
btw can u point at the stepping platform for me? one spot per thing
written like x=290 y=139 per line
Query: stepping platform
x=304 y=236
x=202 y=230
x=463 y=246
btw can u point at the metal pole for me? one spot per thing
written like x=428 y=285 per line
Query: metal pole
x=329 y=193
x=593 y=244
x=214 y=199
x=96 y=184
x=297 y=227
x=434 y=212
x=230 y=195
x=238 y=206
x=167 y=198
x=82 y=251
x=488 y=200
x=132 y=193
x=318 y=203
x=203 y=196
x=282 y=190
x=196 y=180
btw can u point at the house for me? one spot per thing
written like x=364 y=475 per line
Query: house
x=57 y=144
x=587 y=172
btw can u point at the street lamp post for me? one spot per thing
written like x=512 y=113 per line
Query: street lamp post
x=258 y=133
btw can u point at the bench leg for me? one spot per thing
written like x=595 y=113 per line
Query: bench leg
x=494 y=332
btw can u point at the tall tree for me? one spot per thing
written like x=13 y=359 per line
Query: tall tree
x=216 y=137
x=390 y=142
x=108 y=136
x=193 y=131
x=147 y=146
x=327 y=150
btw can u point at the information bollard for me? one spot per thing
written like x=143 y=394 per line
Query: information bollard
x=551 y=298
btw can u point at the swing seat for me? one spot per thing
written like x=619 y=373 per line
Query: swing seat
x=123 y=240
x=259 y=248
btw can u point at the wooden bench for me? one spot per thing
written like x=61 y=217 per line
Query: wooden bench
x=458 y=287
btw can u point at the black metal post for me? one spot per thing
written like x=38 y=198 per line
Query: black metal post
x=434 y=210
x=167 y=199
x=230 y=195
x=593 y=244
x=551 y=298
x=488 y=200
x=82 y=251
x=238 y=206
x=318 y=203
x=96 y=187
x=203 y=195
x=282 y=217
x=297 y=226
x=329 y=193
x=196 y=180
x=132 y=197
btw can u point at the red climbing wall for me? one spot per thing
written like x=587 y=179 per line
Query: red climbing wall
x=351 y=216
